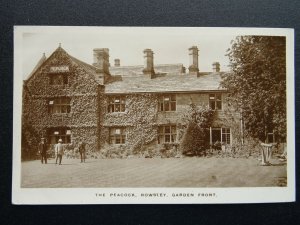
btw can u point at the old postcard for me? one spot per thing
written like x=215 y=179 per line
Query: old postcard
x=118 y=115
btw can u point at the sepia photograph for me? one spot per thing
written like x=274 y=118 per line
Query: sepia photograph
x=106 y=115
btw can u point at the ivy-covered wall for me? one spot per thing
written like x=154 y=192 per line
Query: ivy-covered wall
x=139 y=118
x=81 y=88
x=142 y=118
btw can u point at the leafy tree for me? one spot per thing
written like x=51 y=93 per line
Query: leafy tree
x=257 y=83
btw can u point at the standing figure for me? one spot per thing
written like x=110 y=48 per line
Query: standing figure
x=59 y=151
x=81 y=147
x=43 y=150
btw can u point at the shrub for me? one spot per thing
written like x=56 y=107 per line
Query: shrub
x=113 y=151
x=194 y=141
x=195 y=137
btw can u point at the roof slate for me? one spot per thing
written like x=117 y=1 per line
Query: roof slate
x=166 y=83
x=136 y=70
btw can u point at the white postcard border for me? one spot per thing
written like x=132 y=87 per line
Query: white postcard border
x=162 y=195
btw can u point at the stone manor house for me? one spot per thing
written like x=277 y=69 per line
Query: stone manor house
x=104 y=104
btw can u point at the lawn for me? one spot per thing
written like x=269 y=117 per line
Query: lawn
x=155 y=172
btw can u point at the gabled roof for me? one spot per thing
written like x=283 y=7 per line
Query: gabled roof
x=88 y=68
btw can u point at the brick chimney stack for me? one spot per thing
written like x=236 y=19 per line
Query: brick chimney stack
x=117 y=62
x=193 y=68
x=216 y=67
x=101 y=61
x=148 y=63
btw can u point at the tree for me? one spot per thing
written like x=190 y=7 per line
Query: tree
x=257 y=83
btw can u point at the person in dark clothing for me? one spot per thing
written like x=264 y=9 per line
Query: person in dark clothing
x=43 y=151
x=81 y=148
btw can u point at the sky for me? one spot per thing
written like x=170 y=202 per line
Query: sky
x=170 y=45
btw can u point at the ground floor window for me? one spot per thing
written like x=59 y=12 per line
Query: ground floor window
x=54 y=134
x=117 y=135
x=167 y=134
x=221 y=135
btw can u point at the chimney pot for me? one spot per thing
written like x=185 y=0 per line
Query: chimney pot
x=216 y=67
x=117 y=62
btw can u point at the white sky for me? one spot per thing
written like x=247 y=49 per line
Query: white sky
x=170 y=45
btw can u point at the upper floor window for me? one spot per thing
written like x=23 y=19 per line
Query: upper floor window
x=116 y=104
x=215 y=101
x=167 y=134
x=117 y=135
x=167 y=103
x=58 y=75
x=58 y=79
x=59 y=105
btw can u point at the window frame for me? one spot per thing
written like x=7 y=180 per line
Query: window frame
x=167 y=103
x=217 y=102
x=117 y=138
x=226 y=134
x=116 y=102
x=57 y=133
x=58 y=103
x=55 y=77
x=170 y=135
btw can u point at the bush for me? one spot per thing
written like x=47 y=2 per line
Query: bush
x=194 y=141
x=169 y=150
x=113 y=151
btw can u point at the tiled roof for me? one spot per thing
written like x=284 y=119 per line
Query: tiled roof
x=166 y=83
